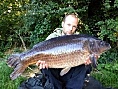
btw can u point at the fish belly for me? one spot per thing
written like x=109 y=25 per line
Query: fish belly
x=63 y=60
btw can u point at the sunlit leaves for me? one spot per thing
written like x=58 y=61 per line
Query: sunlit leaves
x=109 y=28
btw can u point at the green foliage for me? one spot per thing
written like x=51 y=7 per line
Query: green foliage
x=1 y=55
x=107 y=78
x=109 y=28
x=43 y=17
x=109 y=56
x=107 y=69
x=111 y=66
x=10 y=22
x=107 y=73
x=32 y=21
x=25 y=23
x=5 y=81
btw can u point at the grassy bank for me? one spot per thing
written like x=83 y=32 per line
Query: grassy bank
x=107 y=76
x=5 y=81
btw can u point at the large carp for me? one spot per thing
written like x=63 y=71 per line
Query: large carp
x=59 y=52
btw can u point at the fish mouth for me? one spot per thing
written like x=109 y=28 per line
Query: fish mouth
x=108 y=45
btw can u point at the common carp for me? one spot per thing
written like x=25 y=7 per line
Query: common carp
x=59 y=52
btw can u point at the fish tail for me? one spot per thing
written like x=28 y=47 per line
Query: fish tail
x=13 y=60
x=19 y=69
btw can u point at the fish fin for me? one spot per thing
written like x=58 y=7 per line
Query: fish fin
x=13 y=60
x=19 y=69
x=64 y=71
x=93 y=61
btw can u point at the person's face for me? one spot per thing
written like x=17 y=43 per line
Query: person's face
x=70 y=25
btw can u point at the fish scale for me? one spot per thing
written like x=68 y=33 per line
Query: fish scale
x=59 y=52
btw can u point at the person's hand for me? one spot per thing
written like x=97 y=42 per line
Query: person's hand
x=42 y=64
x=88 y=60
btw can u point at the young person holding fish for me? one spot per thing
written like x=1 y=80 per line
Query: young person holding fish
x=75 y=78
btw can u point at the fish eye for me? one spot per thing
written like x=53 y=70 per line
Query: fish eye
x=92 y=43
x=101 y=43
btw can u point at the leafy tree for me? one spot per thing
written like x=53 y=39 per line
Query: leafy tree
x=10 y=21
x=25 y=23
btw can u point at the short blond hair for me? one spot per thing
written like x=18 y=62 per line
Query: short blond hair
x=75 y=15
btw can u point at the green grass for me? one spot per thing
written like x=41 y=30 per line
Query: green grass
x=107 y=78
x=107 y=75
x=5 y=81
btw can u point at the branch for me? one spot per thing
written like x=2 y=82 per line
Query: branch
x=22 y=41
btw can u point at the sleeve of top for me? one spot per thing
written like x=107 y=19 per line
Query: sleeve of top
x=52 y=35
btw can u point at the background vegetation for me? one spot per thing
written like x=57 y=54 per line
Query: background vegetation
x=25 y=23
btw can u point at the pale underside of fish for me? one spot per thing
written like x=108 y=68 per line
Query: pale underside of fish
x=61 y=52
